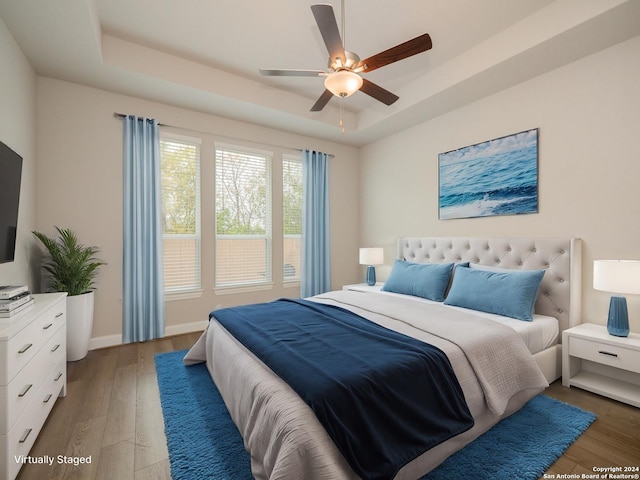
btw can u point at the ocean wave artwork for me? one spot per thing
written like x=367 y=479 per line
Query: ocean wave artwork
x=496 y=177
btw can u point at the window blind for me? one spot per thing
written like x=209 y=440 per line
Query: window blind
x=243 y=216
x=180 y=189
x=292 y=216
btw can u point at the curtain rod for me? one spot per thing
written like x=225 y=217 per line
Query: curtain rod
x=122 y=115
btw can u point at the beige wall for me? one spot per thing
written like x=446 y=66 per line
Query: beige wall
x=589 y=166
x=79 y=182
x=587 y=113
x=17 y=130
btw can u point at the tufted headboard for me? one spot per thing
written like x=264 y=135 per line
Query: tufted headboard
x=560 y=289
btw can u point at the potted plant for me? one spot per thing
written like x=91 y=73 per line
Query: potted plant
x=72 y=268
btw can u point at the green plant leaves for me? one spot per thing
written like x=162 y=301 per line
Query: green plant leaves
x=72 y=267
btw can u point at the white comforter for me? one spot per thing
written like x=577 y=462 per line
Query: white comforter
x=495 y=370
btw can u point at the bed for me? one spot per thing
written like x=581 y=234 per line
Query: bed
x=282 y=433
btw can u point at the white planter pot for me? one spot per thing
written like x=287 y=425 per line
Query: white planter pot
x=79 y=325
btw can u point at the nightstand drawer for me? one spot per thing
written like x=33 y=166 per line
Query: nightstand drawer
x=606 y=354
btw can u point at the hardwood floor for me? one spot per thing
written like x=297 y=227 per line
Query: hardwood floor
x=613 y=440
x=112 y=413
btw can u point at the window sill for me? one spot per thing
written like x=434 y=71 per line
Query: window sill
x=243 y=289
x=182 y=295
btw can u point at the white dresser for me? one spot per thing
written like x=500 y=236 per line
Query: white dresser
x=33 y=373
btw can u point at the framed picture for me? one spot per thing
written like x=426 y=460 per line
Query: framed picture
x=496 y=177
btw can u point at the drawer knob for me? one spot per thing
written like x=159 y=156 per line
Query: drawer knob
x=25 y=348
x=57 y=377
x=25 y=435
x=604 y=352
x=25 y=390
x=47 y=327
x=55 y=348
x=59 y=314
x=47 y=398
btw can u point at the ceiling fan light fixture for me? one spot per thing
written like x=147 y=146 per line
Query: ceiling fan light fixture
x=343 y=83
x=342 y=78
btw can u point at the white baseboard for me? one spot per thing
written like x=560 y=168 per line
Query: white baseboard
x=106 y=341
x=113 y=340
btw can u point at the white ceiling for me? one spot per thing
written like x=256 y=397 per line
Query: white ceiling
x=205 y=54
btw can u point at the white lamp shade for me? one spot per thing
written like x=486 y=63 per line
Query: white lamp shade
x=343 y=83
x=617 y=276
x=371 y=256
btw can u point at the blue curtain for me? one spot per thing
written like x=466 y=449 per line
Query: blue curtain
x=142 y=282
x=316 y=251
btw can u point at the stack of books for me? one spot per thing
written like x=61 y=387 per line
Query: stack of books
x=14 y=299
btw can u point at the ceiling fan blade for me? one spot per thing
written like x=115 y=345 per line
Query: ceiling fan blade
x=328 y=26
x=404 y=50
x=377 y=92
x=322 y=101
x=291 y=73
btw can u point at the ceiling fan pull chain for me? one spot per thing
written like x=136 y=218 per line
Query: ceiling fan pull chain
x=341 y=110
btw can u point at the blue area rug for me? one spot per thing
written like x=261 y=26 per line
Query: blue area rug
x=204 y=443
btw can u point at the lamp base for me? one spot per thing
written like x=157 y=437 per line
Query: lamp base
x=371 y=275
x=618 y=320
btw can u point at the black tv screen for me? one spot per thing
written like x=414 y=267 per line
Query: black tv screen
x=10 y=176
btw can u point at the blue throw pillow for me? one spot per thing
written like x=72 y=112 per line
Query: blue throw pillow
x=512 y=294
x=426 y=280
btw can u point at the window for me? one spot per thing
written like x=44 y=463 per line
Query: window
x=243 y=216
x=180 y=189
x=292 y=216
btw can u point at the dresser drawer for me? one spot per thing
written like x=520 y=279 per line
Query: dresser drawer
x=21 y=390
x=28 y=342
x=19 y=440
x=600 y=352
x=53 y=384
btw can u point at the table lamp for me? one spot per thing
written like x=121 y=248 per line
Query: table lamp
x=620 y=277
x=371 y=257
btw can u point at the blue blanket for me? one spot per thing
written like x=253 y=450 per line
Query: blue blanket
x=383 y=397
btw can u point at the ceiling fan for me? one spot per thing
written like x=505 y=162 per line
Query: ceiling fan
x=343 y=78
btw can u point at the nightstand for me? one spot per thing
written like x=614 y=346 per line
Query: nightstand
x=601 y=363
x=363 y=287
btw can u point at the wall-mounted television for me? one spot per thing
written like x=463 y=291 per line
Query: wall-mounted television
x=10 y=177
